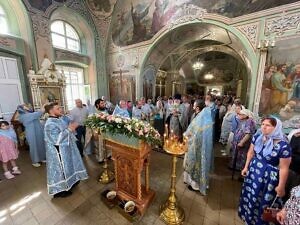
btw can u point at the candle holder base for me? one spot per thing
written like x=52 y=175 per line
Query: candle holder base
x=106 y=177
x=171 y=215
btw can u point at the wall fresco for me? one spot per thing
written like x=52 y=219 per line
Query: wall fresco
x=280 y=92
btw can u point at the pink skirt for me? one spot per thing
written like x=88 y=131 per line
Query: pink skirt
x=8 y=149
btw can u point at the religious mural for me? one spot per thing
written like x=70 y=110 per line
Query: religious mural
x=122 y=87
x=140 y=20
x=101 y=7
x=280 y=92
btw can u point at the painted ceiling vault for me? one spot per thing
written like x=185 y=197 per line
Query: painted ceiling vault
x=139 y=20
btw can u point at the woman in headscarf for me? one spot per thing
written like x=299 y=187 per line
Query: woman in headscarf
x=242 y=139
x=159 y=117
x=265 y=172
x=34 y=133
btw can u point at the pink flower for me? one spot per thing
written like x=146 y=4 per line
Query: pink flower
x=110 y=118
x=141 y=133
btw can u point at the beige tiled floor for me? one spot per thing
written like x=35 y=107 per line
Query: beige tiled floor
x=24 y=200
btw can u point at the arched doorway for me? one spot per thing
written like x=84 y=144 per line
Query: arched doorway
x=226 y=55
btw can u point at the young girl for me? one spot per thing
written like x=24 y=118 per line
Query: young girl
x=8 y=149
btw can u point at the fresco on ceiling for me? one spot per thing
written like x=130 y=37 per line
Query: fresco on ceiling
x=43 y=4
x=280 y=92
x=101 y=7
x=140 y=20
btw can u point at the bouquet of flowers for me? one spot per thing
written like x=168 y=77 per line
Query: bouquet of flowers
x=131 y=127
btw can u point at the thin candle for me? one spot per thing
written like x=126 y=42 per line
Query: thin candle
x=166 y=129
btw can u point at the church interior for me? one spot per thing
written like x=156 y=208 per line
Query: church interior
x=80 y=53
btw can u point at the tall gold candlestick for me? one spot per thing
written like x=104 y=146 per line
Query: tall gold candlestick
x=106 y=176
x=170 y=212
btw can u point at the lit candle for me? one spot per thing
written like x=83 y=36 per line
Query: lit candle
x=167 y=143
x=166 y=129
x=165 y=135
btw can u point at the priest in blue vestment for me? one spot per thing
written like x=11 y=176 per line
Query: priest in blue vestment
x=65 y=167
x=197 y=160
x=121 y=110
x=34 y=133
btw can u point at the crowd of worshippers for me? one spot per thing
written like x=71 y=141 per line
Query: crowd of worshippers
x=268 y=159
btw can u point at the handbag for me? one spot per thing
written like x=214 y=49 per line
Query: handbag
x=269 y=213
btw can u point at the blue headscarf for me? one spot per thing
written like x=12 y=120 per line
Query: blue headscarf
x=277 y=134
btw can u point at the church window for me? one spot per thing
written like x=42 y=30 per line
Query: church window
x=64 y=36
x=74 y=84
x=3 y=21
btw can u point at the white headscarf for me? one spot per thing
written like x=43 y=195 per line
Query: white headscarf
x=291 y=134
x=246 y=112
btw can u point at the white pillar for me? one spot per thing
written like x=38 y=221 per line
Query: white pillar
x=259 y=80
x=239 y=88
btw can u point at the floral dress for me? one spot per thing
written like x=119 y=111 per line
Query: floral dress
x=292 y=207
x=258 y=191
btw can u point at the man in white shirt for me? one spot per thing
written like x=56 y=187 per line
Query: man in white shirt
x=79 y=115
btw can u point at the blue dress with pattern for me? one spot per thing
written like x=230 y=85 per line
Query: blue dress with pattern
x=258 y=190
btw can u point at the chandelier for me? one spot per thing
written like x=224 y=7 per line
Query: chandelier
x=197 y=65
x=208 y=76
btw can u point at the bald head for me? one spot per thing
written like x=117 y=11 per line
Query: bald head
x=78 y=103
x=123 y=104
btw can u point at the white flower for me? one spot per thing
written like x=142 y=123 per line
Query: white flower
x=118 y=120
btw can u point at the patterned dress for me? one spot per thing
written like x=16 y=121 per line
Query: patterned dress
x=292 y=207
x=8 y=150
x=258 y=191
x=244 y=127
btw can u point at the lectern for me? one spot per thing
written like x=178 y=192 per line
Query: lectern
x=131 y=157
